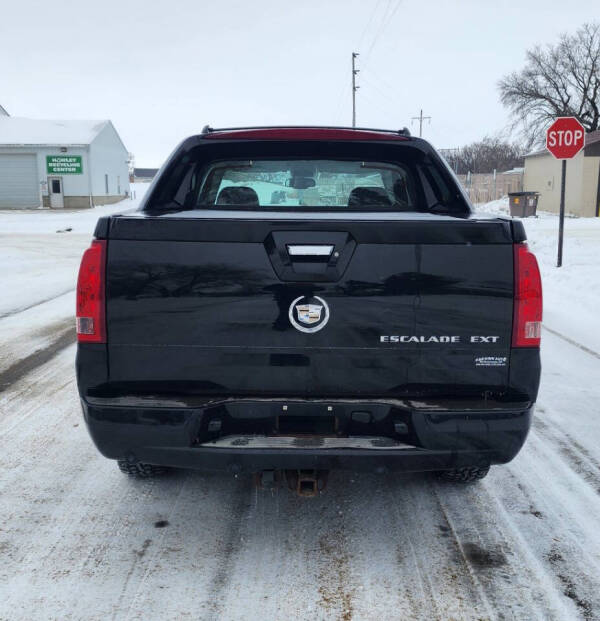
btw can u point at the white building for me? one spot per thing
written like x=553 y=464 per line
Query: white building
x=56 y=164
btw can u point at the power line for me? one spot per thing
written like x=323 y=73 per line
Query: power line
x=342 y=97
x=344 y=90
x=391 y=98
x=378 y=103
x=364 y=32
x=385 y=22
x=380 y=28
x=383 y=82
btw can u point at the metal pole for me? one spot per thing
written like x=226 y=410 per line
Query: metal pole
x=561 y=221
x=354 y=88
x=421 y=118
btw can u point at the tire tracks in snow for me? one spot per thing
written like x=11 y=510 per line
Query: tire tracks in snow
x=497 y=555
x=18 y=370
x=229 y=550
x=578 y=457
x=138 y=555
x=336 y=587
x=22 y=309
x=562 y=551
x=432 y=556
x=587 y=350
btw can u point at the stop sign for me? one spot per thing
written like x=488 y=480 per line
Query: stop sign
x=565 y=137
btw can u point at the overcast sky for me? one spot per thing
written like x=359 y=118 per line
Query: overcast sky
x=162 y=70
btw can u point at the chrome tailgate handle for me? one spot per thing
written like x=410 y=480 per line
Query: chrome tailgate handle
x=310 y=250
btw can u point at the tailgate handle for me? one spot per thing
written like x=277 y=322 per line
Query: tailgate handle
x=310 y=250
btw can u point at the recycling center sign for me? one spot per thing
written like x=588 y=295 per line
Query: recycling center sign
x=64 y=164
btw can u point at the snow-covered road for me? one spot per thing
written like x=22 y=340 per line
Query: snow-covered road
x=80 y=540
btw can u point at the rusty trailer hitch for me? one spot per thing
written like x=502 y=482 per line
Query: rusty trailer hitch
x=306 y=483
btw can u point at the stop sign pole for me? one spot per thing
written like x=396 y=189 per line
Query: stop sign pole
x=561 y=217
x=564 y=139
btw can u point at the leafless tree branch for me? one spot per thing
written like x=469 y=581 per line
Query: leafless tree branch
x=489 y=154
x=558 y=80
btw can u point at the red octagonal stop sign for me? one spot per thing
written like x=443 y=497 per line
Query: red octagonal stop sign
x=565 y=137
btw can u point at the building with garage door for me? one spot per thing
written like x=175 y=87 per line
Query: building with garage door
x=61 y=164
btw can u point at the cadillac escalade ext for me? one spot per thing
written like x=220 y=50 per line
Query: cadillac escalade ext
x=303 y=299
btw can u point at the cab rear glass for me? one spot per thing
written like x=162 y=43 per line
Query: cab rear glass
x=296 y=183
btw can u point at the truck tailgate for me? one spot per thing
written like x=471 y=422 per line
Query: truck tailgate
x=202 y=302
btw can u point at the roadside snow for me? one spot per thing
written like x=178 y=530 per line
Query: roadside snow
x=40 y=256
x=34 y=221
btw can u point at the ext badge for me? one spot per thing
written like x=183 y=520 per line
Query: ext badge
x=309 y=314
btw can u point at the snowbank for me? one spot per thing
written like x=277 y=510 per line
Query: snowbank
x=54 y=220
x=40 y=256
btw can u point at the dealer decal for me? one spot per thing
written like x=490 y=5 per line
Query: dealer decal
x=491 y=361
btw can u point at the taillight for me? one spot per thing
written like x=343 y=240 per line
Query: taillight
x=527 y=320
x=91 y=325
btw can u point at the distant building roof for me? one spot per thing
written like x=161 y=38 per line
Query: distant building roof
x=514 y=171
x=592 y=138
x=15 y=131
x=145 y=173
x=537 y=152
x=3 y=112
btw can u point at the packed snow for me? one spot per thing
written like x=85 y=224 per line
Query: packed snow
x=80 y=540
x=40 y=250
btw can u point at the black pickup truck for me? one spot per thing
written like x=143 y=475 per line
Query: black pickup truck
x=305 y=299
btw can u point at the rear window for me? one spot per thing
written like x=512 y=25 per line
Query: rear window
x=307 y=183
x=411 y=184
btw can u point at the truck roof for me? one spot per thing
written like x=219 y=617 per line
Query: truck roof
x=304 y=132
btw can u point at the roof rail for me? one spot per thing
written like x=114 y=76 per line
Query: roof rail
x=207 y=129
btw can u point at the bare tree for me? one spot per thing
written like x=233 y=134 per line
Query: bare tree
x=489 y=154
x=558 y=80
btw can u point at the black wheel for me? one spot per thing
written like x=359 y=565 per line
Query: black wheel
x=464 y=475
x=140 y=471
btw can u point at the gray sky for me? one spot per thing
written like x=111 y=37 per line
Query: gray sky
x=161 y=70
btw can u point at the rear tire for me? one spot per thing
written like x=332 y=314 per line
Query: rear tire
x=140 y=471
x=464 y=475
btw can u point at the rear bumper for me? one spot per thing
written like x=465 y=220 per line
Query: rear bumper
x=438 y=436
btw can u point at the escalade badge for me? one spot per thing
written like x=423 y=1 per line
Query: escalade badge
x=309 y=314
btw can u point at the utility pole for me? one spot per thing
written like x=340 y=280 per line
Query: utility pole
x=421 y=118
x=354 y=88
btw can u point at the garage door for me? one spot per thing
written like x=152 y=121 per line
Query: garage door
x=18 y=181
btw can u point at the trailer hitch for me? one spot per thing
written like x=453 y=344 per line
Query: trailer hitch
x=306 y=483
